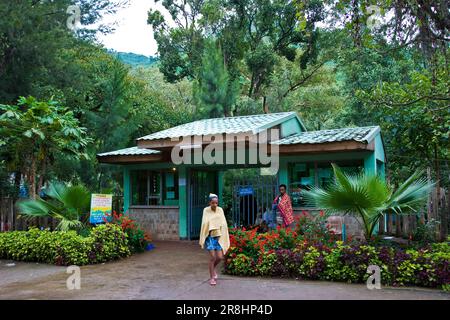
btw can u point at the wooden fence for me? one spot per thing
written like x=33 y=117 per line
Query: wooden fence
x=437 y=209
x=7 y=214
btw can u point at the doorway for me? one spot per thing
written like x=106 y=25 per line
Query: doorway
x=201 y=184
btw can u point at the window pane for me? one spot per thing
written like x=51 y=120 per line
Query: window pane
x=325 y=174
x=301 y=177
x=170 y=186
x=139 y=187
x=154 y=188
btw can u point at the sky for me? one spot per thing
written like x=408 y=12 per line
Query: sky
x=132 y=34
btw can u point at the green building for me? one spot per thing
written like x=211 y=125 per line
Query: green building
x=169 y=174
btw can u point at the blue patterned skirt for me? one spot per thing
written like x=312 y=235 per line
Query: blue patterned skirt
x=212 y=243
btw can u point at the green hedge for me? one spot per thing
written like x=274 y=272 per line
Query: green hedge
x=105 y=243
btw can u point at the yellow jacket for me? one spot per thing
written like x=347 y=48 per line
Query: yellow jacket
x=215 y=220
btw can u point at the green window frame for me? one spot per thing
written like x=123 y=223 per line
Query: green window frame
x=305 y=175
x=154 y=187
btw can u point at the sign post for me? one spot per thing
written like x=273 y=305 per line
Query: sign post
x=101 y=207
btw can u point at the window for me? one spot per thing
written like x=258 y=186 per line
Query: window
x=139 y=187
x=304 y=175
x=301 y=177
x=154 y=188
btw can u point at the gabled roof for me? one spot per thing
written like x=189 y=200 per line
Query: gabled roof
x=133 y=151
x=359 y=134
x=229 y=125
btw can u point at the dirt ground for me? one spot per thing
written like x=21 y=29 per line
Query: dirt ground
x=177 y=270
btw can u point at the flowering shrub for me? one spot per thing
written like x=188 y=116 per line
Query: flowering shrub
x=138 y=239
x=287 y=253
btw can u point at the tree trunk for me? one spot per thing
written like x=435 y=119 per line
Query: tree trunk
x=42 y=176
x=265 y=105
x=32 y=179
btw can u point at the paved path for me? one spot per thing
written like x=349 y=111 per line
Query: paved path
x=176 y=270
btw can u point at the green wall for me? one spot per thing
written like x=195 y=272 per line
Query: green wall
x=183 y=201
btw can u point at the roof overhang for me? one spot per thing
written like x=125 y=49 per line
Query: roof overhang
x=128 y=159
x=340 y=146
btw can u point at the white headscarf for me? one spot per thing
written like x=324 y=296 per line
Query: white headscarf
x=212 y=196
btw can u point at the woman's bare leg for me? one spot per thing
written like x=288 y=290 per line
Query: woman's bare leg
x=212 y=263
x=219 y=257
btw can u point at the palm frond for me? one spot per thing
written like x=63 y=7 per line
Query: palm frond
x=66 y=225
x=66 y=203
x=34 y=208
x=410 y=196
x=56 y=191
x=76 y=197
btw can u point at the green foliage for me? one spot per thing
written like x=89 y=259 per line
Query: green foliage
x=252 y=35
x=32 y=131
x=241 y=264
x=110 y=243
x=106 y=243
x=69 y=204
x=425 y=233
x=138 y=239
x=33 y=37
x=215 y=92
x=420 y=104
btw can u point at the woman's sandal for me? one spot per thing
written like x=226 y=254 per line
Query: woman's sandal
x=215 y=276
x=212 y=282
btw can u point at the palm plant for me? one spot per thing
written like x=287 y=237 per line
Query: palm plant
x=67 y=203
x=369 y=197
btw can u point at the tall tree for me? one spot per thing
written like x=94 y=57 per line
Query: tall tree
x=215 y=92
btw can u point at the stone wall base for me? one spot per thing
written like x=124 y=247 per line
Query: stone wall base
x=161 y=222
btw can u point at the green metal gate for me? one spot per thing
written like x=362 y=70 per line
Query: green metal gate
x=252 y=197
x=201 y=184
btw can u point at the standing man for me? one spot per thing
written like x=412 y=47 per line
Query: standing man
x=283 y=205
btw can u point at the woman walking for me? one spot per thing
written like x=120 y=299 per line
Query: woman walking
x=214 y=235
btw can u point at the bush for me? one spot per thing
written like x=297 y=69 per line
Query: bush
x=105 y=243
x=109 y=242
x=256 y=254
x=138 y=239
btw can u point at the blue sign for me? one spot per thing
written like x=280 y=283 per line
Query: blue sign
x=245 y=191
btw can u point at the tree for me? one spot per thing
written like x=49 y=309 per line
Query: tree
x=252 y=34
x=67 y=203
x=215 y=92
x=33 y=35
x=33 y=131
x=369 y=197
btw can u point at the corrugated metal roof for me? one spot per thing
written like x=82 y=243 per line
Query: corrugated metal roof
x=360 y=134
x=133 y=151
x=230 y=125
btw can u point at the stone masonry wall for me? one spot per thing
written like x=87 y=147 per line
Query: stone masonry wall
x=161 y=222
x=352 y=226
